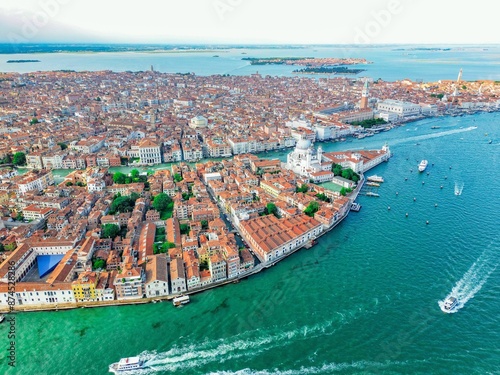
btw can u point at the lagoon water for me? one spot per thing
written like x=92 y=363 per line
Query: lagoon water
x=390 y=63
x=364 y=300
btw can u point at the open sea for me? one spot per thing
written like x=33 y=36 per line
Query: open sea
x=364 y=300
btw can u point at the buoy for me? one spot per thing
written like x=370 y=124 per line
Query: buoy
x=427 y=222
x=445 y=177
x=450 y=166
x=389 y=208
x=414 y=199
x=441 y=186
x=406 y=178
x=423 y=182
x=411 y=170
x=433 y=164
x=407 y=214
x=397 y=193
x=435 y=204
x=427 y=173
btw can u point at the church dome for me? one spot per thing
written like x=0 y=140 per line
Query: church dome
x=303 y=144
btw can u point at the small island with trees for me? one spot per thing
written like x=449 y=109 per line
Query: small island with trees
x=305 y=61
x=21 y=61
x=328 y=70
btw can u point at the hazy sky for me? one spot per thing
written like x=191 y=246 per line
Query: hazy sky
x=249 y=21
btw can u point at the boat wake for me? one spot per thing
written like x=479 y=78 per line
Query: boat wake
x=472 y=281
x=328 y=368
x=247 y=344
x=433 y=135
x=458 y=188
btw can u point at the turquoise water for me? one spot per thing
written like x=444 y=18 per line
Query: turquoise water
x=363 y=301
x=389 y=62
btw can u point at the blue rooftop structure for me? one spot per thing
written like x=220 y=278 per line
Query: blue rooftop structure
x=46 y=263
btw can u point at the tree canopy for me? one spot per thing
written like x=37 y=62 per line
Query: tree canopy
x=63 y=145
x=161 y=202
x=119 y=178
x=272 y=209
x=123 y=204
x=19 y=158
x=336 y=169
x=134 y=173
x=311 y=208
x=110 y=231
x=302 y=189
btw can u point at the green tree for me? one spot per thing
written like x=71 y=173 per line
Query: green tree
x=184 y=228
x=119 y=178
x=34 y=120
x=110 y=231
x=177 y=177
x=166 y=246
x=63 y=145
x=134 y=173
x=69 y=183
x=311 y=208
x=161 y=202
x=272 y=209
x=122 y=204
x=302 y=189
x=323 y=197
x=10 y=247
x=336 y=169
x=19 y=158
x=99 y=264
x=2 y=248
x=204 y=224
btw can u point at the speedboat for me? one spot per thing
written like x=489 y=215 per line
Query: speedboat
x=127 y=364
x=450 y=303
x=2 y=318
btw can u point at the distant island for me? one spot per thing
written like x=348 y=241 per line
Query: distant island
x=306 y=61
x=328 y=70
x=21 y=61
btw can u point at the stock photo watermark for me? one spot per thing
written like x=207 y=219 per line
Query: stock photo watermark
x=32 y=24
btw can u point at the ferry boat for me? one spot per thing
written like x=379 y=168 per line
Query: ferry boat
x=422 y=165
x=127 y=364
x=450 y=303
x=181 y=300
x=375 y=178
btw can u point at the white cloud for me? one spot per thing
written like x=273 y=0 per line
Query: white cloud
x=254 y=21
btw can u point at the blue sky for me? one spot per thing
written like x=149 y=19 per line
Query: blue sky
x=248 y=21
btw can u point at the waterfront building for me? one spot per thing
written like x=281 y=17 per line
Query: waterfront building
x=305 y=161
x=401 y=108
x=271 y=238
x=177 y=276
x=129 y=283
x=359 y=161
x=33 y=294
x=217 y=266
x=149 y=152
x=34 y=180
x=156 y=276
x=84 y=288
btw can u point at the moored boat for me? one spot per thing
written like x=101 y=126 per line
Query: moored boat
x=2 y=318
x=127 y=364
x=181 y=300
x=422 y=165
x=375 y=178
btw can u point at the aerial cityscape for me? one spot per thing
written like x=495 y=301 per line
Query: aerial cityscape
x=214 y=199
